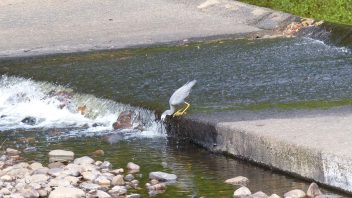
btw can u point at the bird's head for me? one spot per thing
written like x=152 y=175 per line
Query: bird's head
x=166 y=113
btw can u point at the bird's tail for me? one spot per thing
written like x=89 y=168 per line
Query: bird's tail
x=191 y=83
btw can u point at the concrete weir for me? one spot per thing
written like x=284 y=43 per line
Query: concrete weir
x=314 y=144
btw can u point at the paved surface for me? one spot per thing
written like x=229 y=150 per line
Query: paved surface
x=314 y=144
x=30 y=27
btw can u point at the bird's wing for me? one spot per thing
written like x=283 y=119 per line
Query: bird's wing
x=178 y=97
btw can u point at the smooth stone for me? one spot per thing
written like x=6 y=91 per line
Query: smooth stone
x=133 y=196
x=88 y=167
x=73 y=180
x=89 y=186
x=274 y=196
x=73 y=169
x=16 y=195
x=66 y=192
x=157 y=187
x=259 y=194
x=129 y=177
x=118 y=180
x=61 y=156
x=6 y=178
x=10 y=151
x=241 y=192
x=29 y=193
x=106 y=165
x=59 y=182
x=132 y=166
x=240 y=180
x=35 y=186
x=35 y=165
x=5 y=191
x=295 y=194
x=118 y=190
x=39 y=178
x=102 y=194
x=43 y=170
x=55 y=171
x=90 y=176
x=103 y=181
x=43 y=193
x=98 y=163
x=161 y=176
x=83 y=160
x=313 y=190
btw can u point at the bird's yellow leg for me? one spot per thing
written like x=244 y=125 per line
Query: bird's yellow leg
x=182 y=111
x=187 y=107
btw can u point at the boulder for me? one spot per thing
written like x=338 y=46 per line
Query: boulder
x=295 y=194
x=313 y=190
x=133 y=166
x=29 y=120
x=67 y=192
x=60 y=156
x=83 y=160
x=240 y=180
x=124 y=121
x=161 y=176
x=242 y=192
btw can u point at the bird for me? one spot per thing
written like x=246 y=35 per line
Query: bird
x=177 y=99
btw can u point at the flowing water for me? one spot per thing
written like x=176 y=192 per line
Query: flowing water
x=50 y=90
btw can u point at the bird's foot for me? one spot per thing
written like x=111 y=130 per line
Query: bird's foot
x=179 y=113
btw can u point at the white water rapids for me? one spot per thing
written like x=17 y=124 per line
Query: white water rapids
x=52 y=106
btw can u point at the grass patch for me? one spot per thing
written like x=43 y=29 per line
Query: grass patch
x=338 y=11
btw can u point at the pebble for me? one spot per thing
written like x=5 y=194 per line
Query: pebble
x=241 y=192
x=61 y=192
x=118 y=180
x=129 y=177
x=10 y=151
x=313 y=190
x=30 y=149
x=240 y=180
x=133 y=196
x=274 y=196
x=36 y=165
x=133 y=166
x=161 y=176
x=106 y=165
x=259 y=194
x=295 y=194
x=83 y=160
x=90 y=176
x=98 y=153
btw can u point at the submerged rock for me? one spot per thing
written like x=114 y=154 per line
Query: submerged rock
x=313 y=190
x=242 y=192
x=240 y=180
x=10 y=151
x=30 y=149
x=161 y=176
x=98 y=153
x=29 y=120
x=60 y=156
x=124 y=121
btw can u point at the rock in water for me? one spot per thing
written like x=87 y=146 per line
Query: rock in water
x=242 y=192
x=274 y=196
x=132 y=166
x=60 y=156
x=124 y=121
x=29 y=120
x=295 y=194
x=161 y=176
x=240 y=180
x=313 y=190
x=259 y=194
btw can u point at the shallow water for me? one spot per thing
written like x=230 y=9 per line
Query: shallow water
x=230 y=74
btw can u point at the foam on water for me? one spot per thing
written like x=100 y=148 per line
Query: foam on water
x=54 y=106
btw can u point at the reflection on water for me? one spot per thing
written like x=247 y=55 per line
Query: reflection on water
x=200 y=172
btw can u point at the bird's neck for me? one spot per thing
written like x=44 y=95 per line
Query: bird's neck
x=172 y=109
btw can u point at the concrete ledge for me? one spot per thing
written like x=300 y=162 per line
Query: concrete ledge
x=313 y=144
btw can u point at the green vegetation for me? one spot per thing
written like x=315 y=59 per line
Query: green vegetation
x=338 y=11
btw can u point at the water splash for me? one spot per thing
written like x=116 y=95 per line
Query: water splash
x=27 y=104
